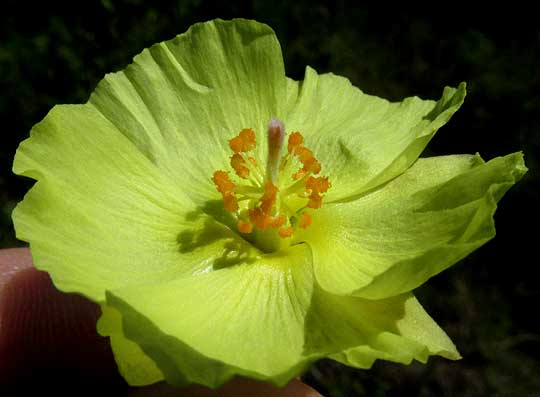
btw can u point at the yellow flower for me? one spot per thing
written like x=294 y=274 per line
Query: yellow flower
x=232 y=221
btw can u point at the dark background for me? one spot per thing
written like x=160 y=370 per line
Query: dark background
x=56 y=53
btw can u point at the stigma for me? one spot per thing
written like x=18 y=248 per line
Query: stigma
x=271 y=203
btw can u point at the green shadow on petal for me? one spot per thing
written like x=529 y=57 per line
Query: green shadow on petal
x=218 y=224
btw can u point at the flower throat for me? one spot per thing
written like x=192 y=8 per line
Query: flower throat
x=271 y=203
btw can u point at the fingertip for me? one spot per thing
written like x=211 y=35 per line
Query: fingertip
x=244 y=387
x=12 y=261
x=48 y=342
x=237 y=387
x=48 y=339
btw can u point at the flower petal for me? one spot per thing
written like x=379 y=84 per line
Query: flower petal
x=136 y=367
x=246 y=320
x=362 y=141
x=392 y=240
x=358 y=331
x=183 y=99
x=102 y=216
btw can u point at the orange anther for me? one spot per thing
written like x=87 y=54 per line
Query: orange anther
x=311 y=165
x=303 y=154
x=305 y=220
x=317 y=185
x=244 y=227
x=259 y=218
x=269 y=197
x=237 y=163
x=314 y=166
x=222 y=182
x=309 y=162
x=270 y=189
x=277 y=221
x=244 y=141
x=230 y=201
x=299 y=174
x=285 y=232
x=295 y=139
x=253 y=161
x=315 y=201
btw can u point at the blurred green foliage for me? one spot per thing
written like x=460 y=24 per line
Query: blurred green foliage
x=56 y=52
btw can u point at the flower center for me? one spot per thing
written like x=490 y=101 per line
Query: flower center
x=270 y=204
